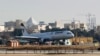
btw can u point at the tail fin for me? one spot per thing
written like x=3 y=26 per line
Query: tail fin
x=24 y=32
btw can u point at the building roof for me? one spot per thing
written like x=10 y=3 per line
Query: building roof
x=31 y=21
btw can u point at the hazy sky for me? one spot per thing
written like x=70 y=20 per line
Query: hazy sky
x=48 y=10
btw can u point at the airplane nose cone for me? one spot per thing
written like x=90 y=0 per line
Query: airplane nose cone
x=72 y=35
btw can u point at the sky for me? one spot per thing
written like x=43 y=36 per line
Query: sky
x=49 y=10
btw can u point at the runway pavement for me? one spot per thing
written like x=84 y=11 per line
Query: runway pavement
x=49 y=54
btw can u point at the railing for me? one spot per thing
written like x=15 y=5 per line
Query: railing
x=47 y=51
x=52 y=49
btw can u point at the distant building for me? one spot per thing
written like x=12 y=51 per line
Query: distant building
x=42 y=27
x=83 y=26
x=76 y=25
x=36 y=28
x=53 y=25
x=33 y=26
x=98 y=30
x=67 y=26
x=30 y=22
x=9 y=26
x=18 y=24
x=41 y=23
x=57 y=24
x=2 y=28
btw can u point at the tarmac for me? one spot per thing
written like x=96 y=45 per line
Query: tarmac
x=49 y=54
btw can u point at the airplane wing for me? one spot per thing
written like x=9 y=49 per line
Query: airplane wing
x=31 y=37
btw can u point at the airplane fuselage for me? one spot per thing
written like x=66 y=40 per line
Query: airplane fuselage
x=46 y=36
x=53 y=35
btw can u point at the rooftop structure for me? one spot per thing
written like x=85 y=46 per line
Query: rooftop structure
x=2 y=28
x=56 y=24
x=9 y=26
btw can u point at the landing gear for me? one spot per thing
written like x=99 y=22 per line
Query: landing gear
x=58 y=42
x=45 y=42
x=41 y=41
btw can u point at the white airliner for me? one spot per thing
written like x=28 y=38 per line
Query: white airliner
x=53 y=35
x=48 y=35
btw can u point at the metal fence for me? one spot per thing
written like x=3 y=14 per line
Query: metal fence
x=47 y=51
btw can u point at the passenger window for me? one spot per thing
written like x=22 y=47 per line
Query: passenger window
x=58 y=32
x=68 y=33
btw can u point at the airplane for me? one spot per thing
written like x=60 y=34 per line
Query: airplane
x=45 y=36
